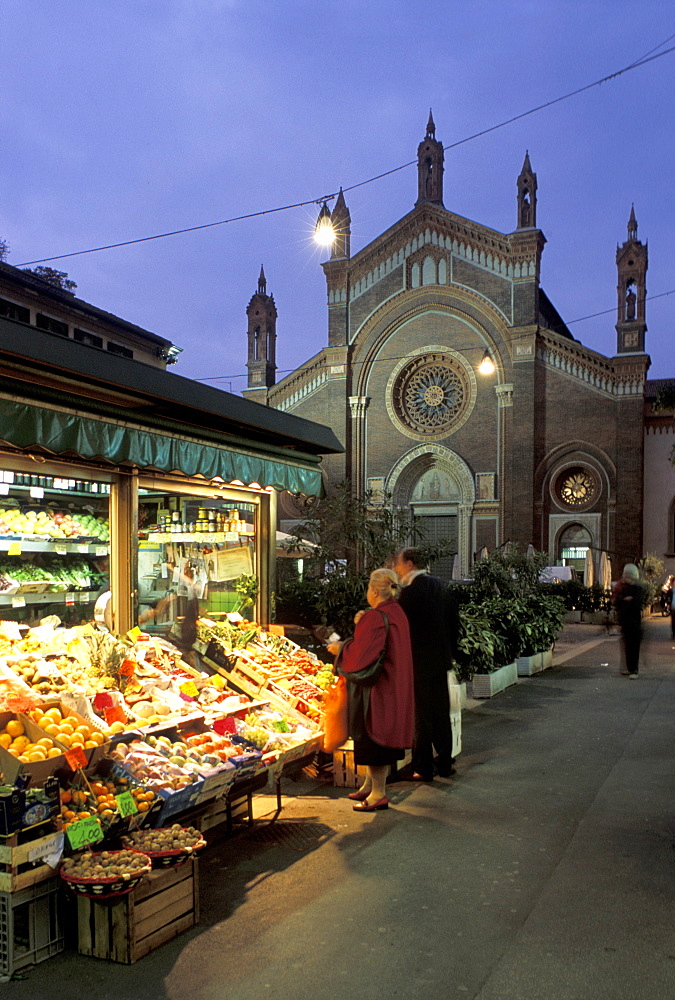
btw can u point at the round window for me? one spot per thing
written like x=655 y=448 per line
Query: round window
x=430 y=395
x=576 y=487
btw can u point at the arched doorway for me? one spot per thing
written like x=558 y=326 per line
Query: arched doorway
x=574 y=541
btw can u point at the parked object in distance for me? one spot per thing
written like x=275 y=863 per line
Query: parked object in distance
x=558 y=574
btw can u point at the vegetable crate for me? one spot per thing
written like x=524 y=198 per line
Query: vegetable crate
x=31 y=928
x=165 y=904
x=347 y=775
x=21 y=864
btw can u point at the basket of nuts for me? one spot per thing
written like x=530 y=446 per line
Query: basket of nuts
x=106 y=874
x=166 y=847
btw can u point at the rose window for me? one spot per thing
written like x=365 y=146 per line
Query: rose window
x=430 y=394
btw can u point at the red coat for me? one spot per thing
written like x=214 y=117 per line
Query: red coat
x=391 y=716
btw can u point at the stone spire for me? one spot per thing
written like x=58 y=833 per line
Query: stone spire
x=430 y=167
x=527 y=196
x=631 y=263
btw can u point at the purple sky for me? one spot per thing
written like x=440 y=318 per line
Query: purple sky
x=126 y=119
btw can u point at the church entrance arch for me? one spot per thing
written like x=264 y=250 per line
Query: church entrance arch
x=438 y=487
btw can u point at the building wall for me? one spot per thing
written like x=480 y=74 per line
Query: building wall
x=659 y=475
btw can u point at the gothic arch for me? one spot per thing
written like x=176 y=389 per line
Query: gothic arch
x=406 y=472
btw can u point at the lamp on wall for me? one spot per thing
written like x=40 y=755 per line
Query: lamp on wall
x=487 y=365
x=324 y=232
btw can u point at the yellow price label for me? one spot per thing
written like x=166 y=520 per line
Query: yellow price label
x=189 y=688
x=217 y=682
x=14 y=549
x=134 y=633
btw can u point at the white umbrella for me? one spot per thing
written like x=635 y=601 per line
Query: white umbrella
x=456 y=568
x=530 y=551
x=484 y=554
x=605 y=572
x=589 y=575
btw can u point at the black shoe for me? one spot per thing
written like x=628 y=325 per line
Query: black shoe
x=446 y=772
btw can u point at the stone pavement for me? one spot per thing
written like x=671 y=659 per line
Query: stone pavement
x=542 y=869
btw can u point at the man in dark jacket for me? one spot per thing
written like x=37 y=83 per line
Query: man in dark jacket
x=433 y=632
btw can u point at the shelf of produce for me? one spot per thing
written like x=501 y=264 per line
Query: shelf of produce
x=64 y=546
x=62 y=597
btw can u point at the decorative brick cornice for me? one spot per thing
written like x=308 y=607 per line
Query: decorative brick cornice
x=618 y=377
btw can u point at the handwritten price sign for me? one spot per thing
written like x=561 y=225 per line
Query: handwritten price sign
x=76 y=758
x=83 y=832
x=126 y=804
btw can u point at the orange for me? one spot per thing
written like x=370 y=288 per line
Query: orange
x=54 y=714
x=35 y=756
x=142 y=807
x=72 y=720
x=88 y=744
x=68 y=814
x=108 y=813
x=65 y=729
x=19 y=744
x=85 y=730
x=64 y=739
x=77 y=741
x=14 y=728
x=97 y=737
x=52 y=729
x=54 y=752
x=45 y=742
x=5 y=740
x=84 y=814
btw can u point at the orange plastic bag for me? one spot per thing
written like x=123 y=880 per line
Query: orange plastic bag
x=335 y=716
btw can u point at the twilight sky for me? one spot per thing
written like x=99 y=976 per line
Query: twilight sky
x=130 y=118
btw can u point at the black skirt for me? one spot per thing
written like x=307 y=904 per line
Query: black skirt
x=367 y=751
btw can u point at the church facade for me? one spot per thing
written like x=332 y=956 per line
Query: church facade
x=457 y=390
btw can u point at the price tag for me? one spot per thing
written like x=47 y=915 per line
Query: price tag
x=190 y=689
x=76 y=758
x=103 y=700
x=18 y=602
x=218 y=682
x=222 y=726
x=128 y=668
x=14 y=549
x=37 y=492
x=126 y=804
x=84 y=549
x=61 y=549
x=115 y=714
x=134 y=634
x=70 y=600
x=52 y=846
x=101 y=550
x=84 y=831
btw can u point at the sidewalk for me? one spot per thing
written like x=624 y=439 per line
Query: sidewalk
x=543 y=870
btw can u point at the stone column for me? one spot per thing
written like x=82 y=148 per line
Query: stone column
x=358 y=406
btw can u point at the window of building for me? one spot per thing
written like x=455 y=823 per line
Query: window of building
x=573 y=545
x=90 y=339
x=51 y=325
x=12 y=311
x=123 y=352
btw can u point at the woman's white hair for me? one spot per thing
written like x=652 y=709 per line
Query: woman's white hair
x=385 y=583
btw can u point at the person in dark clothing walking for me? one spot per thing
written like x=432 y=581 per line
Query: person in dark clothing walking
x=433 y=632
x=627 y=599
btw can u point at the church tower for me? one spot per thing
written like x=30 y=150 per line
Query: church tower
x=527 y=196
x=342 y=227
x=631 y=262
x=430 y=167
x=262 y=337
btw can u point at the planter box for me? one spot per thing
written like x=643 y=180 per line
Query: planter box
x=488 y=685
x=528 y=665
x=547 y=658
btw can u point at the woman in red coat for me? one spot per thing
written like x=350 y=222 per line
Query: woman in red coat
x=390 y=707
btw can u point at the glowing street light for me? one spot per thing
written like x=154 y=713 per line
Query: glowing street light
x=487 y=365
x=324 y=233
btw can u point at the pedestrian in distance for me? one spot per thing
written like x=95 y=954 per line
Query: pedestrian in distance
x=627 y=598
x=377 y=665
x=433 y=635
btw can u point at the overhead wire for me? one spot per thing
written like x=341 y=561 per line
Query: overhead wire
x=642 y=61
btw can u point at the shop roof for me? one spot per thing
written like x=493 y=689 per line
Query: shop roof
x=41 y=366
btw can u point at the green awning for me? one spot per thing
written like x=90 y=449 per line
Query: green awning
x=63 y=433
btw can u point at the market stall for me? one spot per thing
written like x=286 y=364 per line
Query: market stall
x=137 y=543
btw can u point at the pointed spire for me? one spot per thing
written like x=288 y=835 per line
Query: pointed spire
x=527 y=195
x=431 y=128
x=632 y=224
x=262 y=282
x=342 y=222
x=527 y=166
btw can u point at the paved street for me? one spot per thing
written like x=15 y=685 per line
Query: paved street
x=543 y=869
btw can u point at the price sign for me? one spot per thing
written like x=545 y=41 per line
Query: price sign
x=60 y=549
x=76 y=758
x=103 y=700
x=53 y=845
x=101 y=550
x=218 y=682
x=18 y=602
x=115 y=713
x=128 y=668
x=70 y=600
x=134 y=634
x=84 y=549
x=14 y=549
x=190 y=689
x=83 y=832
x=126 y=804
x=223 y=726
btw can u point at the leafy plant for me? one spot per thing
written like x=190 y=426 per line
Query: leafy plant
x=479 y=648
x=246 y=587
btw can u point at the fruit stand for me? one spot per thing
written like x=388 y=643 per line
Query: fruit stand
x=117 y=754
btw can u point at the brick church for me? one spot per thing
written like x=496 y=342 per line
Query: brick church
x=457 y=389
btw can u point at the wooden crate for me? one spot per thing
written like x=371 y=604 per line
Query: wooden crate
x=347 y=775
x=18 y=857
x=163 y=905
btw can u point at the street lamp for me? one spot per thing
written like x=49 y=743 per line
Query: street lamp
x=324 y=233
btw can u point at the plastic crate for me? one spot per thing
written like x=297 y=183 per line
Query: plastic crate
x=31 y=928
